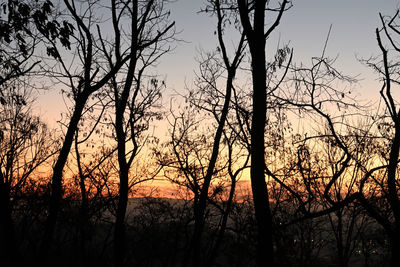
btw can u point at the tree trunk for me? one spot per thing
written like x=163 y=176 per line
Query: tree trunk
x=221 y=233
x=256 y=40
x=56 y=185
x=265 y=253
x=121 y=102
x=84 y=222
x=120 y=238
x=193 y=256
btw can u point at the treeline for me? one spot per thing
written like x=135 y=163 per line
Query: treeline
x=323 y=166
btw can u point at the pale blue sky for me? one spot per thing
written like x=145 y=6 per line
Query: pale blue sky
x=304 y=26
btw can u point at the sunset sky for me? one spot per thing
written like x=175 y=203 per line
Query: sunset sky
x=154 y=132
x=305 y=27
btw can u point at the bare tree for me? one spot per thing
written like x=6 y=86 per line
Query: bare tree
x=22 y=24
x=93 y=198
x=83 y=75
x=198 y=156
x=25 y=145
x=252 y=16
x=208 y=84
x=319 y=162
x=383 y=173
x=135 y=94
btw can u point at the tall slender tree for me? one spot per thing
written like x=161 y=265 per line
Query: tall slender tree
x=134 y=92
x=252 y=16
x=83 y=78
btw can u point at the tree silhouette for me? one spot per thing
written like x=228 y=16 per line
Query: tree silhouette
x=197 y=156
x=252 y=16
x=384 y=175
x=25 y=145
x=322 y=166
x=22 y=23
x=83 y=78
x=134 y=95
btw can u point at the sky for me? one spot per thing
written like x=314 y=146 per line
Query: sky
x=304 y=27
